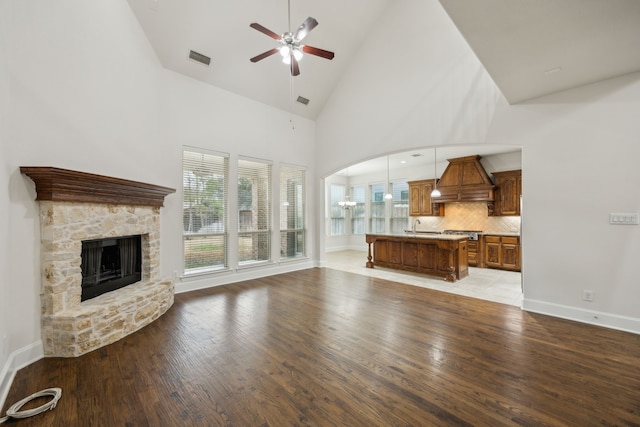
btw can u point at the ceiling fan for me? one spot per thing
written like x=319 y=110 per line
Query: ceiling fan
x=289 y=44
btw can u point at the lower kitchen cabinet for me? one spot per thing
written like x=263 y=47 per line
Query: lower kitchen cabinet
x=502 y=252
x=475 y=252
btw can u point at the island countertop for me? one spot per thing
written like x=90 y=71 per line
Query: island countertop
x=421 y=235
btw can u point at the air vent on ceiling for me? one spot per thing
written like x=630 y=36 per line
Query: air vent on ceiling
x=303 y=100
x=198 y=57
x=417 y=155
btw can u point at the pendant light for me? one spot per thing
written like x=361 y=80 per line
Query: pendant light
x=435 y=192
x=347 y=203
x=388 y=196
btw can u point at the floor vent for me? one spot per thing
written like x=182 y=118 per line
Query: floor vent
x=303 y=100
x=198 y=57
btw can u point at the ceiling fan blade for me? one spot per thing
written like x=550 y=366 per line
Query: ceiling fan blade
x=317 y=52
x=305 y=28
x=295 y=69
x=266 y=31
x=264 y=55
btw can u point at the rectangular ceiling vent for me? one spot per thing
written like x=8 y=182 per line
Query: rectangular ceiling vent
x=416 y=155
x=198 y=57
x=303 y=100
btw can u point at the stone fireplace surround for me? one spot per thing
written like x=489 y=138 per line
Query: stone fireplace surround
x=76 y=206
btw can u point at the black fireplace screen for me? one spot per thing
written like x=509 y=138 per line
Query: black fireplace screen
x=110 y=264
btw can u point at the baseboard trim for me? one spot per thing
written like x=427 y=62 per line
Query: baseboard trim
x=592 y=317
x=18 y=360
x=228 y=277
x=358 y=248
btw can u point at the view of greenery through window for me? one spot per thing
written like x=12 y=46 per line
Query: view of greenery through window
x=292 y=212
x=204 y=179
x=254 y=211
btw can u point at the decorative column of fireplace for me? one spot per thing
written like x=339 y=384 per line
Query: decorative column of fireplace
x=77 y=206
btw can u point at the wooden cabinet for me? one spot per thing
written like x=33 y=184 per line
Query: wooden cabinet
x=508 y=192
x=443 y=257
x=475 y=249
x=502 y=252
x=420 y=199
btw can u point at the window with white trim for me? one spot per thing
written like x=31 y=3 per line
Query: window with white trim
x=292 y=212
x=399 y=206
x=377 y=210
x=254 y=211
x=358 y=211
x=337 y=213
x=204 y=206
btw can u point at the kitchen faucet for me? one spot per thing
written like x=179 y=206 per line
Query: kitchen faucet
x=413 y=228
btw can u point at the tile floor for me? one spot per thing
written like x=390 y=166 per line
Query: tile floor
x=483 y=283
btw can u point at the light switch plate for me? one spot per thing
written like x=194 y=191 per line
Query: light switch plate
x=624 y=218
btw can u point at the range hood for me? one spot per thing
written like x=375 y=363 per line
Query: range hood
x=465 y=180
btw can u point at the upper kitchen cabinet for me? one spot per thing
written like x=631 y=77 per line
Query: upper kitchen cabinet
x=508 y=192
x=420 y=203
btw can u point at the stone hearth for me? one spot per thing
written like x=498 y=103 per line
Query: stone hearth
x=71 y=327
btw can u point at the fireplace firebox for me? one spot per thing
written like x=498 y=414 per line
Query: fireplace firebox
x=110 y=264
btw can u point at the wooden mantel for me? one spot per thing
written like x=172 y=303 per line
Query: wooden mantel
x=63 y=185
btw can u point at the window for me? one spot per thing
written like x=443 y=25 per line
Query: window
x=358 y=211
x=337 y=194
x=399 y=206
x=292 y=212
x=254 y=211
x=204 y=207
x=377 y=219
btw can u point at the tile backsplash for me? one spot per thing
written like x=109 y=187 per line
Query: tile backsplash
x=469 y=216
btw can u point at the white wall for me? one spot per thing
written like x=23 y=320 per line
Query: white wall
x=86 y=92
x=4 y=192
x=580 y=164
x=418 y=87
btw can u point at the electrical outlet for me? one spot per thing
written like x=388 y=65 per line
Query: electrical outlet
x=624 y=218
x=587 y=295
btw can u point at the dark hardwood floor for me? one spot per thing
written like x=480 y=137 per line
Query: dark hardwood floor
x=323 y=347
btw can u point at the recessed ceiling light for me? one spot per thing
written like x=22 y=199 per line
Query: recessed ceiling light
x=552 y=71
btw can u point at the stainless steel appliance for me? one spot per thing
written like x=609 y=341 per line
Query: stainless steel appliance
x=471 y=234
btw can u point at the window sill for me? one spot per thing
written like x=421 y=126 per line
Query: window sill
x=204 y=272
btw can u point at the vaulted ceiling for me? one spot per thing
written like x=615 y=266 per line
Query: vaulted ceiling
x=529 y=47
x=537 y=47
x=220 y=30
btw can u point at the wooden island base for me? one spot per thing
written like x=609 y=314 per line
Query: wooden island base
x=436 y=255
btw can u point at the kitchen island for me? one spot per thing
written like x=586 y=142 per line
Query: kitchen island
x=433 y=254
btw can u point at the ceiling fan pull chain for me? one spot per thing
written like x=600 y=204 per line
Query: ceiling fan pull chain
x=291 y=101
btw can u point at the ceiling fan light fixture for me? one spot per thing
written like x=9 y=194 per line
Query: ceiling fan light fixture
x=286 y=51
